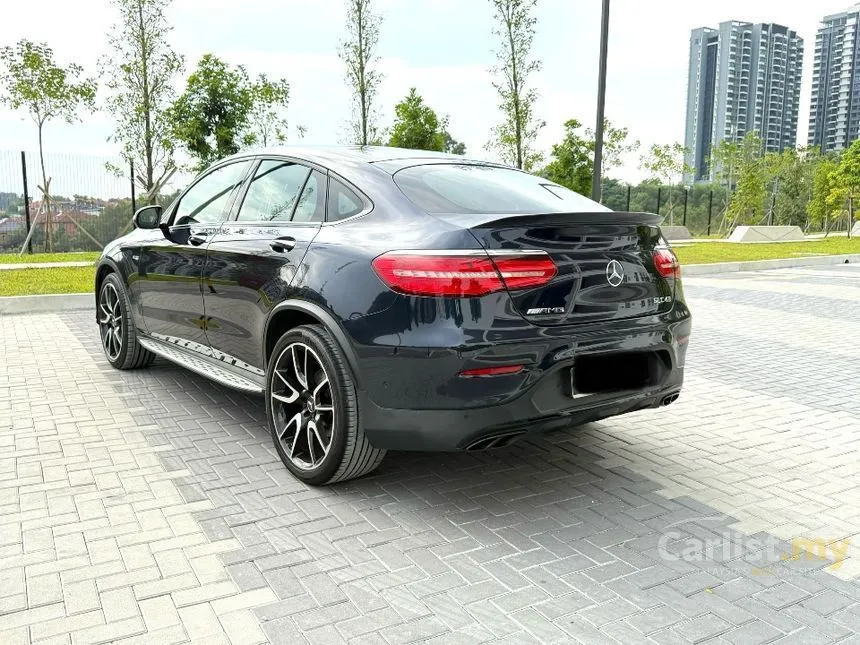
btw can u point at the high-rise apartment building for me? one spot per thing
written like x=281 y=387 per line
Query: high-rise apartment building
x=834 y=115
x=742 y=78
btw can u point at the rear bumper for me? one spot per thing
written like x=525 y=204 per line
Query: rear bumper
x=450 y=430
x=410 y=397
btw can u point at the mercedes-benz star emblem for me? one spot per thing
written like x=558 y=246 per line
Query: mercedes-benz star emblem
x=614 y=273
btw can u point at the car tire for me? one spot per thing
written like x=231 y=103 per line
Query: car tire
x=117 y=331
x=312 y=409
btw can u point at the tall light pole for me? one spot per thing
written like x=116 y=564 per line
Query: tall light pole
x=601 y=100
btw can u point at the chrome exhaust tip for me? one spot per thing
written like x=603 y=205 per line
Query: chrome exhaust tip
x=496 y=441
x=670 y=398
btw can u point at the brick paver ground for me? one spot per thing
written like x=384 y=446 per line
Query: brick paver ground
x=148 y=507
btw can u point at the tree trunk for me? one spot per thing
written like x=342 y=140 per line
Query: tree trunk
x=147 y=107
x=362 y=90
x=515 y=83
x=46 y=197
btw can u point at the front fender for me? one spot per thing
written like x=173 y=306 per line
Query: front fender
x=104 y=266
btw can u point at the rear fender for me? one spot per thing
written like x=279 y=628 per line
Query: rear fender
x=327 y=320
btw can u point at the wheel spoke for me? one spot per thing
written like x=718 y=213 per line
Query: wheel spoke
x=295 y=440
x=293 y=392
x=321 y=407
x=310 y=430
x=319 y=386
x=297 y=419
x=323 y=444
x=301 y=375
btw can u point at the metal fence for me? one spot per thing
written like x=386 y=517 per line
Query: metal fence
x=92 y=200
x=701 y=208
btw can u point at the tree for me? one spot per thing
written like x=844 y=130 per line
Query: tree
x=571 y=160
x=665 y=165
x=792 y=175
x=724 y=162
x=821 y=208
x=32 y=81
x=357 y=52
x=139 y=75
x=222 y=110
x=212 y=114
x=846 y=181
x=416 y=125
x=615 y=146
x=453 y=146
x=750 y=190
x=514 y=138
x=268 y=119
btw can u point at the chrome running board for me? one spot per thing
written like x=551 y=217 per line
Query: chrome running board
x=201 y=365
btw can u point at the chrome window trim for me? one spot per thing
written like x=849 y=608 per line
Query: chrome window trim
x=368 y=203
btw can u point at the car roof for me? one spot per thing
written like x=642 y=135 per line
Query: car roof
x=340 y=157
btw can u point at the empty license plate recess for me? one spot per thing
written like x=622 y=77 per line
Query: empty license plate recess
x=618 y=371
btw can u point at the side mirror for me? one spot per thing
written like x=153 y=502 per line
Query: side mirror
x=147 y=217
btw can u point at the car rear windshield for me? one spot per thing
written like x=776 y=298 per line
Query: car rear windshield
x=472 y=188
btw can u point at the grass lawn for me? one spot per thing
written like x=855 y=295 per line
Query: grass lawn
x=14 y=258
x=709 y=252
x=28 y=282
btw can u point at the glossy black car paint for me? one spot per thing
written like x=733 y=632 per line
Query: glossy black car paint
x=231 y=297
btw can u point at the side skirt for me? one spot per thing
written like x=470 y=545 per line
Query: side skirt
x=210 y=368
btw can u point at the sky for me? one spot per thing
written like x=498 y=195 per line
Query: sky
x=444 y=48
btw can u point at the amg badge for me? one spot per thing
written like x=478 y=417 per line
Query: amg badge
x=538 y=311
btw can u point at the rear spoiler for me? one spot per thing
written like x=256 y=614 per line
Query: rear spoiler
x=562 y=219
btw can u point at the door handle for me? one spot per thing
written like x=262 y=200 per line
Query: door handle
x=283 y=244
x=196 y=239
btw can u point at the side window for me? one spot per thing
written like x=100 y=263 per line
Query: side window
x=273 y=192
x=342 y=202
x=311 y=206
x=206 y=201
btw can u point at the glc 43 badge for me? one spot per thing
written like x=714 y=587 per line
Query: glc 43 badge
x=659 y=300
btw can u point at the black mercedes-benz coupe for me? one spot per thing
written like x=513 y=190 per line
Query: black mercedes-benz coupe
x=386 y=299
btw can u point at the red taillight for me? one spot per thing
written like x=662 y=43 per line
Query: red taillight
x=458 y=276
x=499 y=370
x=525 y=271
x=666 y=263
